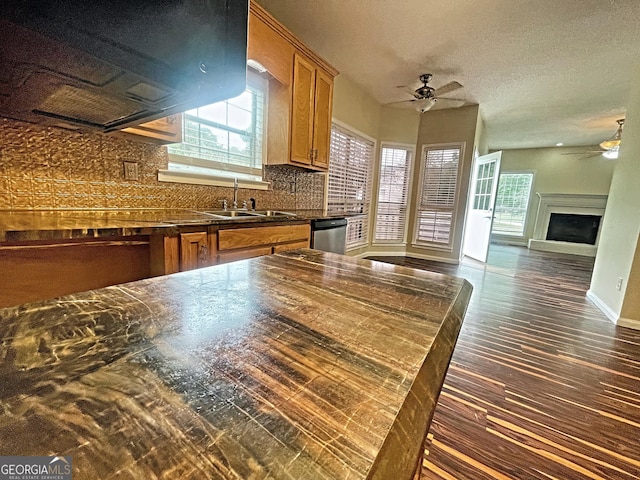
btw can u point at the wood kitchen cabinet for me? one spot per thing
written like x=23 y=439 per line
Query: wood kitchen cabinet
x=187 y=250
x=300 y=94
x=241 y=243
x=310 y=113
x=162 y=131
x=43 y=269
x=194 y=250
x=195 y=247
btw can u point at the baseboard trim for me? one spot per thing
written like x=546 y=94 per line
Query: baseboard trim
x=421 y=256
x=629 y=323
x=603 y=307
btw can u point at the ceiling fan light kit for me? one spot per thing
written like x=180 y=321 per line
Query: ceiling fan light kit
x=425 y=104
x=614 y=142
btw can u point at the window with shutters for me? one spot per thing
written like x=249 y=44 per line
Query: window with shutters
x=349 y=190
x=393 y=194
x=512 y=202
x=437 y=199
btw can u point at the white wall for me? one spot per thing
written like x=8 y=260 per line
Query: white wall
x=616 y=257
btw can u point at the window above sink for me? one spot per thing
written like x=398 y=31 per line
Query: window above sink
x=223 y=141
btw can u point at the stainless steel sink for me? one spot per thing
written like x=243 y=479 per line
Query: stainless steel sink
x=231 y=213
x=247 y=213
x=274 y=213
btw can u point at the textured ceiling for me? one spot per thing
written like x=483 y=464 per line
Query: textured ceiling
x=542 y=71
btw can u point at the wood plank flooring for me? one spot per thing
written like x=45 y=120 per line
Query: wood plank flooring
x=541 y=385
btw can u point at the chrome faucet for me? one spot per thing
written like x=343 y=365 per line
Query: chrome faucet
x=235 y=193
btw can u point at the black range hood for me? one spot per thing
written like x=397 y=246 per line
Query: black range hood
x=106 y=65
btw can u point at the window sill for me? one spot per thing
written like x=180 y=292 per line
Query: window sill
x=209 y=179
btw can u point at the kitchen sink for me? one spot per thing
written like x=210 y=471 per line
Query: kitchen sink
x=231 y=213
x=247 y=214
x=274 y=213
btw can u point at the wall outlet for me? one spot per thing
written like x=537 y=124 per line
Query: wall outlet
x=130 y=170
x=619 y=284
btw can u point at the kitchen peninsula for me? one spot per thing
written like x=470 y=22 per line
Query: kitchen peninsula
x=296 y=365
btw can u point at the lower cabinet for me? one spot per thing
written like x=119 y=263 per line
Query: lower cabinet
x=41 y=270
x=192 y=248
x=241 y=243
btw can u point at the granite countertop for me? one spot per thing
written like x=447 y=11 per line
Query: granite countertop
x=29 y=225
x=298 y=365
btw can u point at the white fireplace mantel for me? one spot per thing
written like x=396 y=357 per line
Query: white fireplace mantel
x=577 y=204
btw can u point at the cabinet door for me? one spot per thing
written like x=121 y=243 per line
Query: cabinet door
x=194 y=250
x=322 y=119
x=302 y=110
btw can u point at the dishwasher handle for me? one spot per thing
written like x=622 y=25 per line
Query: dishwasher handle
x=328 y=223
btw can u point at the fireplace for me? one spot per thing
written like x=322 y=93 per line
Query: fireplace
x=569 y=227
x=568 y=223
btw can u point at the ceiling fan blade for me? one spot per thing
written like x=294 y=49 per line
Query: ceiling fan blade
x=585 y=152
x=402 y=101
x=449 y=87
x=450 y=102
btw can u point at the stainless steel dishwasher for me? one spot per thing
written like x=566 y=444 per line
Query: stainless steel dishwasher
x=329 y=234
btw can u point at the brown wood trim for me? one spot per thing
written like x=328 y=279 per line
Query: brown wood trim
x=270 y=20
x=164 y=255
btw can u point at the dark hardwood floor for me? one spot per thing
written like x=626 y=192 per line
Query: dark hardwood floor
x=541 y=384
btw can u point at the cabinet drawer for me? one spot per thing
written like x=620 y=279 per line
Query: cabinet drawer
x=253 y=237
x=232 y=256
x=290 y=246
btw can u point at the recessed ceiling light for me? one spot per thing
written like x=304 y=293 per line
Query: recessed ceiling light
x=559 y=144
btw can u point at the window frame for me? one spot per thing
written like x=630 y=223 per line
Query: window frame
x=527 y=217
x=220 y=173
x=411 y=149
x=448 y=247
x=361 y=220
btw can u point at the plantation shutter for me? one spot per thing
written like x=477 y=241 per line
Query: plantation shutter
x=393 y=193
x=438 y=190
x=350 y=163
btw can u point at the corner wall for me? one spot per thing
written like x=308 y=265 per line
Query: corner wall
x=446 y=126
x=617 y=249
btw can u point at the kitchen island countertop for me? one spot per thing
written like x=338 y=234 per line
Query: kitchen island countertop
x=298 y=365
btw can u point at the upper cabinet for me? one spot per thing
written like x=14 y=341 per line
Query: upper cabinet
x=163 y=131
x=310 y=114
x=300 y=94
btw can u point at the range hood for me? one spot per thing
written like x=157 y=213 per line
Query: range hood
x=106 y=65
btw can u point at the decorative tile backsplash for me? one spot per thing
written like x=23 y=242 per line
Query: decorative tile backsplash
x=45 y=167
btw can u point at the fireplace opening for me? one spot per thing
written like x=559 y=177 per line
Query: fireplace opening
x=568 y=227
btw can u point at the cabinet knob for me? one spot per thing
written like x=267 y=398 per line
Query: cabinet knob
x=311 y=154
x=315 y=154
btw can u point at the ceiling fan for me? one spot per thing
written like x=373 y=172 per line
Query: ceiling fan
x=425 y=96
x=610 y=146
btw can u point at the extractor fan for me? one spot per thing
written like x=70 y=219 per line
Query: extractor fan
x=425 y=96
